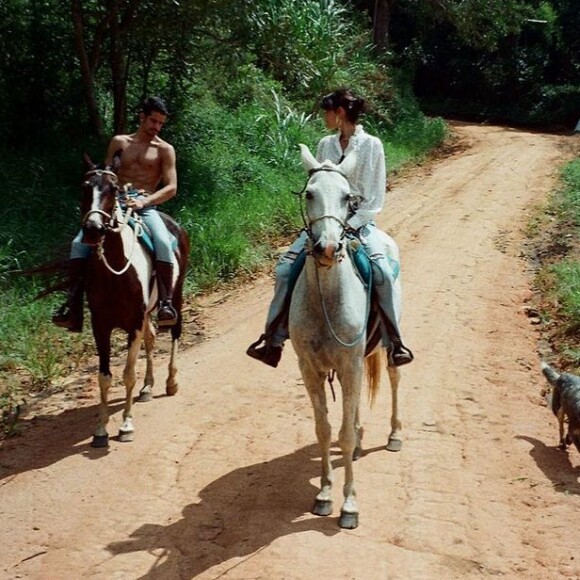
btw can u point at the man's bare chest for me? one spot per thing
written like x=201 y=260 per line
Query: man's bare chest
x=141 y=156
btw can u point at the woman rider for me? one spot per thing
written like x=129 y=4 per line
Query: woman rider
x=342 y=109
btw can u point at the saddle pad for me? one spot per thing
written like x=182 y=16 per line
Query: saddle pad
x=361 y=261
x=358 y=255
x=145 y=237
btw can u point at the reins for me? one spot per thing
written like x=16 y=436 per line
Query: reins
x=122 y=221
x=308 y=225
x=137 y=230
x=362 y=331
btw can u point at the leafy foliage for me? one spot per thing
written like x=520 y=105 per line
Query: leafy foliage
x=558 y=279
x=242 y=78
x=514 y=60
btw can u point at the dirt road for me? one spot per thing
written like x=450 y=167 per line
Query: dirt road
x=220 y=478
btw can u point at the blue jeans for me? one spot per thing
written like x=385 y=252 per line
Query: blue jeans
x=163 y=240
x=383 y=252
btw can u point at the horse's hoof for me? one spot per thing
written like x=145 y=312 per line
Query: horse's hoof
x=322 y=507
x=357 y=453
x=394 y=445
x=348 y=521
x=145 y=397
x=126 y=436
x=100 y=441
x=172 y=390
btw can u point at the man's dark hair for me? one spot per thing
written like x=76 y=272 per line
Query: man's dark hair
x=154 y=104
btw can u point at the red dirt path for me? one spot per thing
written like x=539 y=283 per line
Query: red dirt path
x=220 y=478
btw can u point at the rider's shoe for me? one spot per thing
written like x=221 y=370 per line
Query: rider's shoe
x=268 y=354
x=401 y=355
x=166 y=314
x=65 y=317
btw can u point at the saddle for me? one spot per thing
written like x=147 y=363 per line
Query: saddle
x=144 y=236
x=378 y=322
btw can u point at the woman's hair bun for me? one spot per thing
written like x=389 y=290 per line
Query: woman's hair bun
x=344 y=98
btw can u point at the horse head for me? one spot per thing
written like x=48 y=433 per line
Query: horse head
x=100 y=189
x=329 y=202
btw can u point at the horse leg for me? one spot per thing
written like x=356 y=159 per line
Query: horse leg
x=103 y=340
x=359 y=432
x=171 y=385
x=127 y=431
x=146 y=392
x=351 y=388
x=395 y=442
x=315 y=385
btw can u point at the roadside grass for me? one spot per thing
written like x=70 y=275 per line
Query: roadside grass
x=237 y=171
x=556 y=237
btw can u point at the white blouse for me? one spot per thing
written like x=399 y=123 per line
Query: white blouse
x=370 y=178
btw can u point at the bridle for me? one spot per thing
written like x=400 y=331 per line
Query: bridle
x=308 y=223
x=115 y=223
x=345 y=228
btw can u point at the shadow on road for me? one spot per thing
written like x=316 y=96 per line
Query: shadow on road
x=53 y=438
x=238 y=515
x=555 y=464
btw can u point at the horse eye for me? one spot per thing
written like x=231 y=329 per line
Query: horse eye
x=309 y=195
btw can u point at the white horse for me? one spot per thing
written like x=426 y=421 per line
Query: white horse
x=328 y=327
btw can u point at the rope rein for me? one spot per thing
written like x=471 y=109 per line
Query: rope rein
x=137 y=230
x=308 y=228
x=363 y=329
x=117 y=217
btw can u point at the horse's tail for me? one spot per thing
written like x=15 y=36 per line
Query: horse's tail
x=373 y=367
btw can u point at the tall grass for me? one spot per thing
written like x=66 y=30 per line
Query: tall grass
x=558 y=279
x=238 y=164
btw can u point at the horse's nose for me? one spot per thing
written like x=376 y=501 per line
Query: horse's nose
x=94 y=228
x=329 y=251
x=93 y=231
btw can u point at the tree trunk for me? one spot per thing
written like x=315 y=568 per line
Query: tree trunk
x=87 y=71
x=381 y=21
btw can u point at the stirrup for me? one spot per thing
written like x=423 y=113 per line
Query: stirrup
x=402 y=357
x=64 y=318
x=268 y=354
x=166 y=314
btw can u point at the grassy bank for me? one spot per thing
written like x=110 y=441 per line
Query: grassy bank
x=237 y=169
x=556 y=236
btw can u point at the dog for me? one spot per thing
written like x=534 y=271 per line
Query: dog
x=565 y=402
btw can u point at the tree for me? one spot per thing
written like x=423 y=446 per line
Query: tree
x=119 y=42
x=381 y=23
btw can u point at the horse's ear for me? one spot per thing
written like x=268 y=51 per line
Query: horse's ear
x=89 y=165
x=348 y=164
x=308 y=160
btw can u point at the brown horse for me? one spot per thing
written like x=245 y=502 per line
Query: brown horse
x=122 y=292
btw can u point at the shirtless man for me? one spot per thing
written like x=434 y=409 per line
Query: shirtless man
x=146 y=162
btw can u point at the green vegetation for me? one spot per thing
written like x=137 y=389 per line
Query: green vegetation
x=558 y=279
x=243 y=79
x=514 y=61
